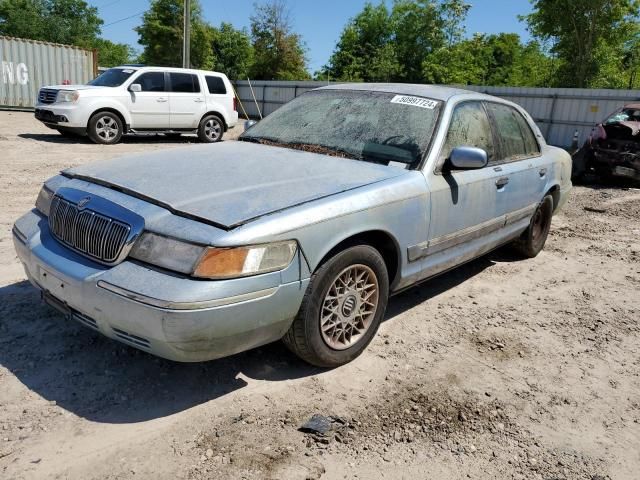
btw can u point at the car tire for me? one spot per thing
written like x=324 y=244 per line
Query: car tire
x=532 y=240
x=211 y=129
x=342 y=308
x=105 y=128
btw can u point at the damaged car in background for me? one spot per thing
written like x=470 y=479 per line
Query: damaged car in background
x=613 y=147
x=301 y=230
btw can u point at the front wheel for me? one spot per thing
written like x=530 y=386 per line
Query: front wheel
x=105 y=128
x=532 y=240
x=211 y=129
x=342 y=308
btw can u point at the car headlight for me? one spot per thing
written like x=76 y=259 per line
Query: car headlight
x=213 y=262
x=43 y=202
x=68 y=96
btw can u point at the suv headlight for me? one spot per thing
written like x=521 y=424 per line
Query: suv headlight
x=43 y=202
x=213 y=262
x=67 y=96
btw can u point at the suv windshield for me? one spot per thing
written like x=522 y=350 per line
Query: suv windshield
x=371 y=126
x=114 y=77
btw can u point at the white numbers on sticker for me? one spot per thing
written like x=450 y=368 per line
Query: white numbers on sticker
x=414 y=101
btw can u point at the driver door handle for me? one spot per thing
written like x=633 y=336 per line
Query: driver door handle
x=161 y=100
x=198 y=100
x=502 y=181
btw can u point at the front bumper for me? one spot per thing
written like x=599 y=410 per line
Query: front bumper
x=170 y=316
x=61 y=115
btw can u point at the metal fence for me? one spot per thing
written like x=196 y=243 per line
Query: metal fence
x=28 y=65
x=559 y=112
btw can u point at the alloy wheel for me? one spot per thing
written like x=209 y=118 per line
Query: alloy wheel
x=349 y=307
x=107 y=128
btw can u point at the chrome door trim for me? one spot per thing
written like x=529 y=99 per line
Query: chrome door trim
x=171 y=305
x=438 y=244
x=520 y=214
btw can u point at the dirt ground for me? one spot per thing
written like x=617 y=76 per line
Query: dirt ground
x=504 y=368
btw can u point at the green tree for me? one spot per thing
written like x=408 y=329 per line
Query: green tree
x=112 y=54
x=232 y=51
x=72 y=22
x=418 y=29
x=588 y=37
x=161 y=35
x=489 y=60
x=24 y=19
x=363 y=39
x=382 y=45
x=279 y=53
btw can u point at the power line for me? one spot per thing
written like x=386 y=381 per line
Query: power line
x=109 y=4
x=123 y=19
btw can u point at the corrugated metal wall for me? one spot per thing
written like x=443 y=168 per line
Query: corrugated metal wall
x=27 y=65
x=559 y=112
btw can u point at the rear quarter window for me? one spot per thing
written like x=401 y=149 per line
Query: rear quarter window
x=216 y=85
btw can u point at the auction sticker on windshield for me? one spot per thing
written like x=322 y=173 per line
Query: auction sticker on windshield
x=414 y=101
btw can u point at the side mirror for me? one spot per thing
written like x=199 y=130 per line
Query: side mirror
x=135 y=87
x=466 y=158
x=248 y=124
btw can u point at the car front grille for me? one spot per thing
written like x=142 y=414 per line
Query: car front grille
x=47 y=96
x=92 y=234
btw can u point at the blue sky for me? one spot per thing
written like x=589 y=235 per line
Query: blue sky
x=319 y=22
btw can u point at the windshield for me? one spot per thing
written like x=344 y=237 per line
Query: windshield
x=114 y=77
x=373 y=126
x=626 y=115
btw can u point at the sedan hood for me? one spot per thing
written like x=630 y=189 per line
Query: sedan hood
x=74 y=87
x=230 y=183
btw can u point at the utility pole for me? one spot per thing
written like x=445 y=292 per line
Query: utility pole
x=186 y=36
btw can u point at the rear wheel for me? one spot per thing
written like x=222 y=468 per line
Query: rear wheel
x=532 y=240
x=211 y=129
x=105 y=128
x=342 y=308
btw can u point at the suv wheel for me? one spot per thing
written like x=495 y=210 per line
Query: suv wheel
x=211 y=129
x=342 y=309
x=105 y=128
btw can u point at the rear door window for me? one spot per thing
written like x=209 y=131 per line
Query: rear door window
x=216 y=85
x=516 y=142
x=184 y=83
x=469 y=127
x=151 y=81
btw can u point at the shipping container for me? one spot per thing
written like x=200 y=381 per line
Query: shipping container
x=28 y=65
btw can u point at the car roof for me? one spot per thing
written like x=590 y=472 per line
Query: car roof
x=435 y=92
x=168 y=69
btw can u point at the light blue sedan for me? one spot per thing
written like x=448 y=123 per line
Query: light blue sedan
x=299 y=231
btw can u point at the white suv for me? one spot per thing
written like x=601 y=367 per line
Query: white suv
x=136 y=99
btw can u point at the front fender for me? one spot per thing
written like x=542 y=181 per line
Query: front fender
x=111 y=104
x=397 y=207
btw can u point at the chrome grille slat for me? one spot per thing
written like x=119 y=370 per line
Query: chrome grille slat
x=47 y=96
x=91 y=233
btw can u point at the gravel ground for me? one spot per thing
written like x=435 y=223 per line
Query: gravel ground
x=503 y=368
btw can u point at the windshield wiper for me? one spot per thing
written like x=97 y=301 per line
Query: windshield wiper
x=321 y=149
x=305 y=147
